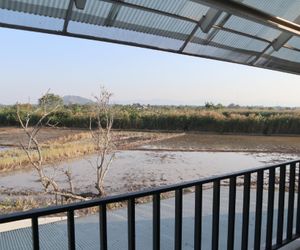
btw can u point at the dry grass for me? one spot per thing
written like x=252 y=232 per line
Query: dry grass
x=22 y=204
x=74 y=146
x=53 y=151
x=9 y=205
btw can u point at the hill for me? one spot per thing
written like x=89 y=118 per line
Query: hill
x=72 y=99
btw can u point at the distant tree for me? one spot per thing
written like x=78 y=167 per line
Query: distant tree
x=50 y=100
x=233 y=106
x=219 y=106
x=211 y=105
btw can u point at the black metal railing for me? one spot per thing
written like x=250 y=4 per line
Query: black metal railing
x=282 y=179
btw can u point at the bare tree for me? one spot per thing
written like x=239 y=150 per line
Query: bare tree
x=100 y=129
x=102 y=137
x=34 y=151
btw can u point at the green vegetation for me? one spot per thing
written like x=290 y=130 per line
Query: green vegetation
x=50 y=100
x=212 y=118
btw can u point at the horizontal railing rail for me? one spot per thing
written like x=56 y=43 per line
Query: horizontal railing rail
x=288 y=185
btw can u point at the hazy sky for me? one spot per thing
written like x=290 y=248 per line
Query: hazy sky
x=31 y=63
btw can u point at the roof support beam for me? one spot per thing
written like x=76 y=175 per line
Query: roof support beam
x=263 y=52
x=215 y=31
x=210 y=36
x=68 y=15
x=190 y=37
x=112 y=15
x=209 y=19
x=281 y=40
x=205 y=24
x=278 y=43
x=284 y=37
x=252 y=14
x=80 y=4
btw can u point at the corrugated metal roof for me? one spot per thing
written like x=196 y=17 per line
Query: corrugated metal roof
x=95 y=12
x=231 y=33
x=49 y=8
x=179 y=7
x=287 y=9
x=252 y=28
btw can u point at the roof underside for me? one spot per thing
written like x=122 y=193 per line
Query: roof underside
x=259 y=33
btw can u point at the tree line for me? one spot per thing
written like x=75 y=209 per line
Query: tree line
x=210 y=118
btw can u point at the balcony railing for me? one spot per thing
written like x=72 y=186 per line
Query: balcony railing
x=282 y=178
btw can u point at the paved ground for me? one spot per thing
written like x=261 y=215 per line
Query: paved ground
x=54 y=235
x=292 y=246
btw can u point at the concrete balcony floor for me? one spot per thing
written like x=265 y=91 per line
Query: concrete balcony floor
x=54 y=235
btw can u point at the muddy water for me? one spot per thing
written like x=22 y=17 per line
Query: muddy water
x=4 y=148
x=229 y=143
x=134 y=170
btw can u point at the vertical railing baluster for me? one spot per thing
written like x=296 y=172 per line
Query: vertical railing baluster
x=270 y=212
x=35 y=233
x=178 y=219
x=246 y=205
x=71 y=230
x=280 y=218
x=298 y=203
x=231 y=213
x=103 y=227
x=258 y=209
x=289 y=221
x=131 y=224
x=216 y=215
x=156 y=222
x=290 y=215
x=198 y=217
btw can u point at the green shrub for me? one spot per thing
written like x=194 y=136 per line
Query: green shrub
x=181 y=118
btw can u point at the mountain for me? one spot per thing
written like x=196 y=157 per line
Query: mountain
x=72 y=99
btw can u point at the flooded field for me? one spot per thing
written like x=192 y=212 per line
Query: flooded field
x=135 y=170
x=229 y=143
x=182 y=157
